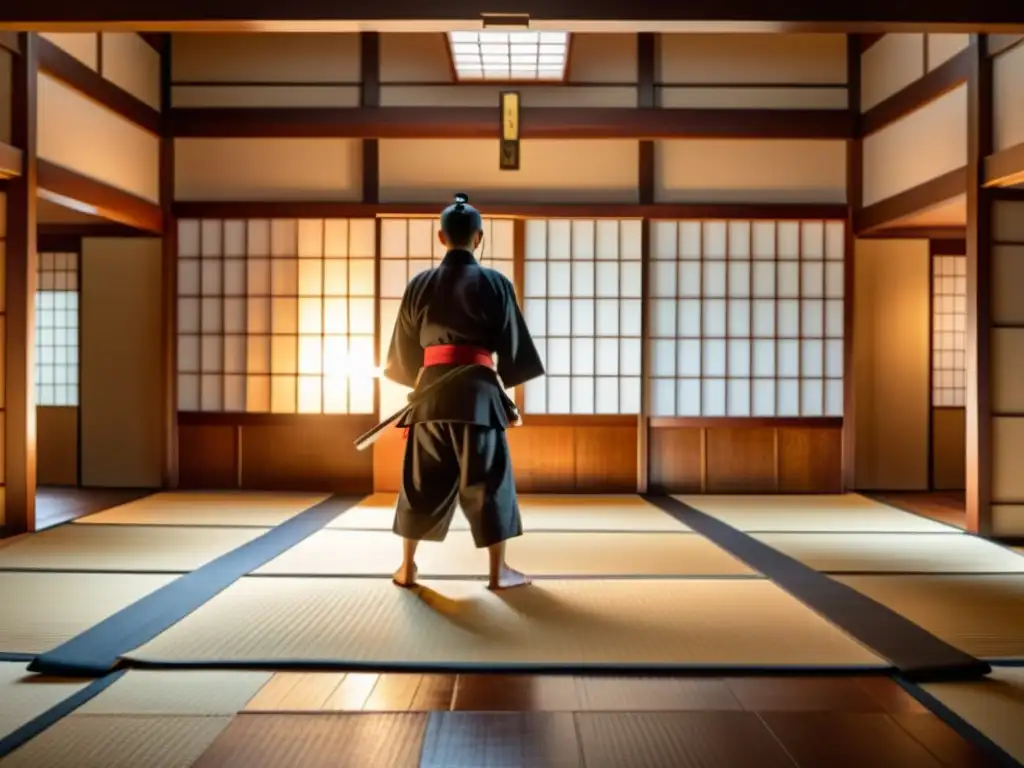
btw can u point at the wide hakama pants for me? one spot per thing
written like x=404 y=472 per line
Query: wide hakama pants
x=449 y=463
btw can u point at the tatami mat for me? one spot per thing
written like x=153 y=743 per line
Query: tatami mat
x=813 y=514
x=565 y=512
x=24 y=696
x=188 y=508
x=558 y=623
x=981 y=615
x=376 y=553
x=81 y=741
x=204 y=693
x=123 y=548
x=895 y=552
x=994 y=706
x=42 y=610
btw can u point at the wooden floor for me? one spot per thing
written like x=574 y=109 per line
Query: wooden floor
x=59 y=505
x=946 y=507
x=671 y=722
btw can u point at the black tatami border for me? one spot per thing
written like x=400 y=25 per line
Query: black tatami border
x=18 y=737
x=916 y=653
x=98 y=650
x=1000 y=758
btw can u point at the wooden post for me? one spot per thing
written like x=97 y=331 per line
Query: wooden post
x=854 y=194
x=979 y=292
x=169 y=263
x=20 y=298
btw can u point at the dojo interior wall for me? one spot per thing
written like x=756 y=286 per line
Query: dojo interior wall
x=556 y=451
x=95 y=386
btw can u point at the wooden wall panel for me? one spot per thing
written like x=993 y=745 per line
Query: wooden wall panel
x=750 y=171
x=84 y=46
x=722 y=59
x=307 y=453
x=605 y=459
x=130 y=63
x=543 y=458
x=1008 y=106
x=101 y=144
x=121 y=367
x=269 y=169
x=949 y=449
x=5 y=96
x=676 y=459
x=923 y=145
x=207 y=456
x=427 y=170
x=740 y=460
x=761 y=457
x=274 y=452
x=810 y=460
x=889 y=66
x=387 y=461
x=56 y=446
x=943 y=47
x=891 y=364
x=265 y=70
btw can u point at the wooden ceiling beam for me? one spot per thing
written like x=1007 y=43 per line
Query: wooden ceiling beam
x=536 y=122
x=838 y=16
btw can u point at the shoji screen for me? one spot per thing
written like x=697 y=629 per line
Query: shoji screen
x=582 y=302
x=57 y=329
x=949 y=326
x=746 y=318
x=276 y=315
x=409 y=246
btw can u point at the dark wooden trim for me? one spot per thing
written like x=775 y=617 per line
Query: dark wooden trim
x=10 y=161
x=953 y=247
x=62 y=185
x=169 y=278
x=238 y=15
x=915 y=233
x=931 y=361
x=675 y=422
x=998 y=44
x=157 y=41
x=647 y=97
x=99 y=53
x=220 y=418
x=931 y=193
x=20 y=288
x=58 y=243
x=89 y=230
x=1005 y=167
x=979 y=292
x=369 y=96
x=66 y=68
x=936 y=83
x=537 y=123
x=214 y=209
x=855 y=45
x=866 y=41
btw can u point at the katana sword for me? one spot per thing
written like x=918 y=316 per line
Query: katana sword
x=417 y=396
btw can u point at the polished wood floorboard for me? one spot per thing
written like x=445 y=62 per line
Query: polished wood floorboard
x=536 y=721
x=59 y=505
x=946 y=507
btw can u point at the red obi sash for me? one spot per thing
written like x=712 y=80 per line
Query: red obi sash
x=453 y=354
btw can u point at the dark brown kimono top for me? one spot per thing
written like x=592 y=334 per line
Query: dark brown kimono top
x=461 y=302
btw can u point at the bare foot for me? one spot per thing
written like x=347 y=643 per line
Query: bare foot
x=508 y=578
x=405 y=577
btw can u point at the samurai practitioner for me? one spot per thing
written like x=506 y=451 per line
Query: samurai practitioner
x=453 y=321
